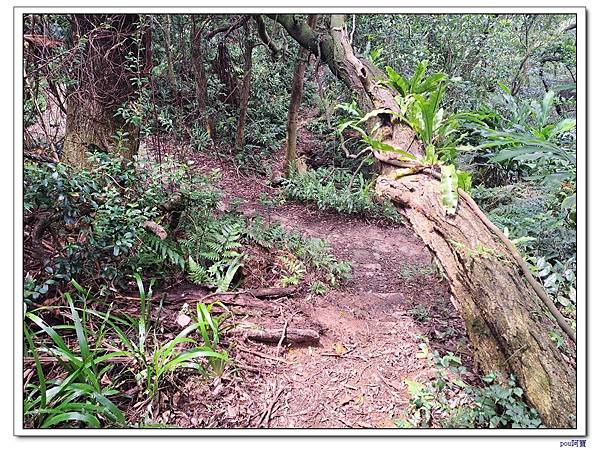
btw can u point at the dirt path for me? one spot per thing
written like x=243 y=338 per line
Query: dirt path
x=370 y=330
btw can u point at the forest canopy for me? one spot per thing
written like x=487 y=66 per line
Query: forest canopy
x=265 y=220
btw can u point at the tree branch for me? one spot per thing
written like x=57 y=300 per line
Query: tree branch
x=264 y=36
x=227 y=29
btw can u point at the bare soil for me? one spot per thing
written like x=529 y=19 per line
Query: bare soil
x=369 y=329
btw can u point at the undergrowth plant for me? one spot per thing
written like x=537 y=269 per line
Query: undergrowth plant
x=156 y=359
x=100 y=350
x=338 y=190
x=217 y=252
x=76 y=396
x=96 y=218
x=310 y=251
x=450 y=402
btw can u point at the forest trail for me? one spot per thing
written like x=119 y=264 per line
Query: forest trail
x=370 y=328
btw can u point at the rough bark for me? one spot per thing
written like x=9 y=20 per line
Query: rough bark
x=245 y=92
x=507 y=323
x=295 y=101
x=89 y=126
x=102 y=86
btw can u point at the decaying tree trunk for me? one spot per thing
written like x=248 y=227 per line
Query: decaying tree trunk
x=295 y=101
x=507 y=323
x=245 y=92
x=103 y=84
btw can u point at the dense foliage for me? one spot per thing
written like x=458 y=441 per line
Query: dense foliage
x=491 y=97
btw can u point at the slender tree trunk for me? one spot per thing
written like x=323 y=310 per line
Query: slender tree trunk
x=170 y=71
x=295 y=101
x=245 y=92
x=508 y=326
x=200 y=75
x=103 y=86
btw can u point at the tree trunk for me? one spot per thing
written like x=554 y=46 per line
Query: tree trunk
x=170 y=71
x=506 y=322
x=90 y=127
x=102 y=86
x=200 y=75
x=223 y=69
x=245 y=92
x=295 y=101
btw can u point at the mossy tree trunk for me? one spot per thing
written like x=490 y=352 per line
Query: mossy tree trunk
x=102 y=84
x=508 y=325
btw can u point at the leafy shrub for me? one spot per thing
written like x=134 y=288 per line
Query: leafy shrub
x=97 y=217
x=496 y=406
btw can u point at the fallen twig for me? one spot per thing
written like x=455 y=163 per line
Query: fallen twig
x=263 y=355
x=267 y=414
x=278 y=351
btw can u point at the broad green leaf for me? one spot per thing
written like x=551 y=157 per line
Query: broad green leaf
x=374 y=113
x=397 y=81
x=464 y=180
x=418 y=75
x=378 y=145
x=504 y=88
x=89 y=419
x=546 y=105
x=563 y=126
x=431 y=83
x=79 y=329
x=38 y=366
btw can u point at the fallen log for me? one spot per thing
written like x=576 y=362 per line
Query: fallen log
x=272 y=292
x=155 y=229
x=273 y=336
x=509 y=325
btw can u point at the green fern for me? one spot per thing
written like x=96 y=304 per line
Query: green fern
x=197 y=273
x=167 y=250
x=294 y=268
x=217 y=257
